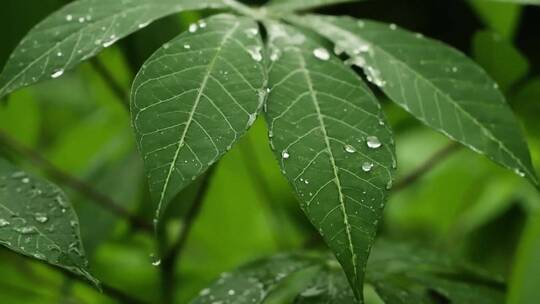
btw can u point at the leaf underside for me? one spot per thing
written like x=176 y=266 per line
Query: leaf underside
x=322 y=119
x=79 y=31
x=194 y=98
x=437 y=84
x=37 y=220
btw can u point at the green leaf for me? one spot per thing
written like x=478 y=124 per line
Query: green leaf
x=79 y=31
x=331 y=139
x=300 y=5
x=503 y=18
x=437 y=84
x=251 y=284
x=329 y=286
x=194 y=98
x=37 y=220
x=534 y=2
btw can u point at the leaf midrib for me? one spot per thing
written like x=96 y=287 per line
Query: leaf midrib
x=226 y=37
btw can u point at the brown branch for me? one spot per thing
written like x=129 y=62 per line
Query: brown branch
x=109 y=79
x=427 y=166
x=72 y=182
x=172 y=257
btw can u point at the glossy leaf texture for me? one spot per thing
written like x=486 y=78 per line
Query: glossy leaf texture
x=434 y=82
x=251 y=284
x=37 y=220
x=332 y=143
x=194 y=98
x=300 y=5
x=329 y=286
x=79 y=31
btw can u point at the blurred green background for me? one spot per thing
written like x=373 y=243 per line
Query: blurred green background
x=465 y=206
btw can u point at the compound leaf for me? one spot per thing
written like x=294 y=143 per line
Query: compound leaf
x=436 y=83
x=37 y=220
x=194 y=98
x=79 y=31
x=331 y=139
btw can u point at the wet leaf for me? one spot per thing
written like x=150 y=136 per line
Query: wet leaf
x=299 y=5
x=37 y=220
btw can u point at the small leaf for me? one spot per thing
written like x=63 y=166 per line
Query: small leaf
x=437 y=84
x=194 y=98
x=331 y=139
x=79 y=31
x=252 y=283
x=37 y=220
x=302 y=5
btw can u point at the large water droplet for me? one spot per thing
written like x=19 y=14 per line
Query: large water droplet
x=255 y=52
x=367 y=166
x=57 y=73
x=373 y=142
x=285 y=155
x=69 y=17
x=321 y=53
x=41 y=218
x=350 y=149
x=193 y=27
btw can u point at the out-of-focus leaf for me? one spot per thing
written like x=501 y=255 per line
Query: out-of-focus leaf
x=20 y=117
x=301 y=5
x=523 y=283
x=499 y=58
x=437 y=84
x=332 y=143
x=193 y=100
x=501 y=17
x=79 y=31
x=252 y=283
x=37 y=220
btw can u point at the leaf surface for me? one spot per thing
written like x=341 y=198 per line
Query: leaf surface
x=437 y=84
x=37 y=220
x=332 y=143
x=79 y=31
x=194 y=98
x=298 y=5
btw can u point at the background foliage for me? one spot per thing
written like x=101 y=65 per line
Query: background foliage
x=465 y=206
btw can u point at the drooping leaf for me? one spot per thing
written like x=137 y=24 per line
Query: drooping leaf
x=330 y=137
x=194 y=98
x=79 y=31
x=437 y=84
x=299 y=5
x=252 y=283
x=37 y=220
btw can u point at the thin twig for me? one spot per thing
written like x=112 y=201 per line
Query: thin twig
x=427 y=166
x=109 y=79
x=172 y=257
x=72 y=182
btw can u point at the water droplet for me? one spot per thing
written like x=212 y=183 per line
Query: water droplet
x=69 y=17
x=57 y=73
x=255 y=52
x=373 y=142
x=25 y=180
x=3 y=223
x=350 y=149
x=454 y=69
x=193 y=27
x=59 y=54
x=156 y=263
x=252 y=32
x=393 y=27
x=496 y=86
x=26 y=230
x=285 y=155
x=187 y=46
x=519 y=172
x=111 y=41
x=81 y=19
x=231 y=292
x=367 y=166
x=41 y=218
x=321 y=53
x=143 y=25
x=204 y=292
x=252 y=118
x=202 y=24
x=389 y=185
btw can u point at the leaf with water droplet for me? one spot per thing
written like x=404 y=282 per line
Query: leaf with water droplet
x=189 y=106
x=339 y=200
x=34 y=223
x=78 y=35
x=302 y=5
x=457 y=98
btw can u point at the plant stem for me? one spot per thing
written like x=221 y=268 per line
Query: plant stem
x=109 y=79
x=427 y=166
x=61 y=177
x=172 y=257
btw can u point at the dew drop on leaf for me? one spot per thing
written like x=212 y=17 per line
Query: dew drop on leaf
x=57 y=73
x=373 y=142
x=285 y=155
x=367 y=166
x=193 y=28
x=350 y=149
x=3 y=223
x=321 y=53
